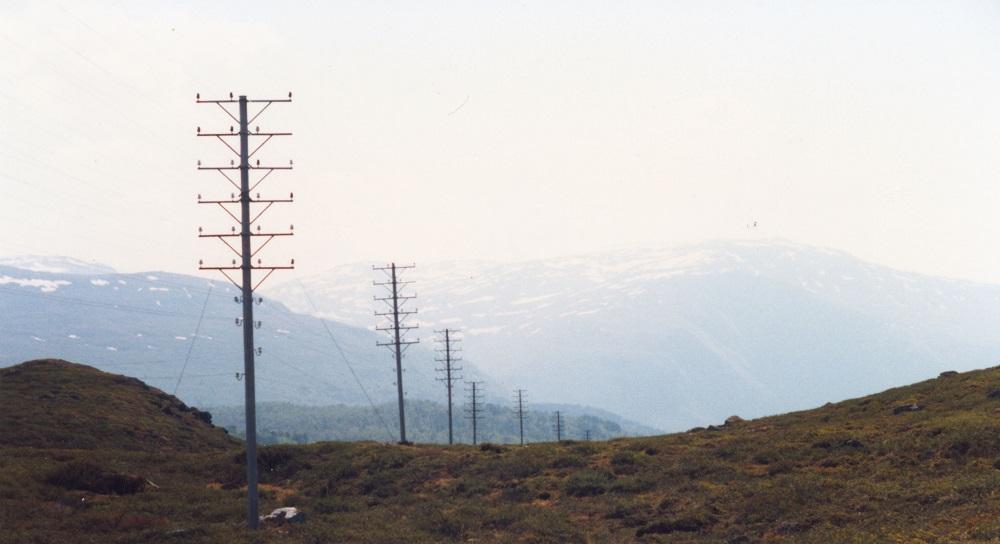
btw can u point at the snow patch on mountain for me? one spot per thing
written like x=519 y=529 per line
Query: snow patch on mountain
x=45 y=286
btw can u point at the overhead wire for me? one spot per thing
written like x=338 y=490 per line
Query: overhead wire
x=194 y=339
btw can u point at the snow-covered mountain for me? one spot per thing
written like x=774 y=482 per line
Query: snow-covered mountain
x=686 y=336
x=144 y=325
x=55 y=265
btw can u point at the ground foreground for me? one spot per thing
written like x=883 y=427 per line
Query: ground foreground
x=87 y=456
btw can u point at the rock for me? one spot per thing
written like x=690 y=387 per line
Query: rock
x=733 y=420
x=906 y=408
x=993 y=394
x=852 y=443
x=281 y=516
x=947 y=374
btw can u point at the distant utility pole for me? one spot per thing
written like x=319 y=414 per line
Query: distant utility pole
x=520 y=412
x=251 y=208
x=559 y=426
x=396 y=328
x=449 y=356
x=587 y=434
x=475 y=409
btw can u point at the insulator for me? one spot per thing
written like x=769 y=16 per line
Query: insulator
x=199 y=196
x=260 y=300
x=233 y=229
x=236 y=299
x=260 y=351
x=258 y=162
x=291 y=227
x=199 y=162
x=230 y=128
x=289 y=94
x=230 y=95
x=291 y=195
x=199 y=130
x=197 y=96
x=258 y=262
x=258 y=196
x=237 y=321
x=200 y=262
x=257 y=129
x=289 y=162
x=234 y=262
x=199 y=230
x=231 y=162
x=293 y=261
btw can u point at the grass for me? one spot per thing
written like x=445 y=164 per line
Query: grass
x=847 y=472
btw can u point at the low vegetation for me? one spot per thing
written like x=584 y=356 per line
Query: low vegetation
x=856 y=471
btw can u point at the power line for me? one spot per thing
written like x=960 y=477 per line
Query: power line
x=250 y=209
x=558 y=427
x=343 y=356
x=449 y=356
x=396 y=329
x=194 y=339
x=475 y=408
x=520 y=412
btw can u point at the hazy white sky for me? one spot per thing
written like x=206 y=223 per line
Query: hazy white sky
x=502 y=130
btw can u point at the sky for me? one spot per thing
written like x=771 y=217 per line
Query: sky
x=428 y=131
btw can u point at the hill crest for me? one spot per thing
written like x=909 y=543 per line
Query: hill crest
x=51 y=403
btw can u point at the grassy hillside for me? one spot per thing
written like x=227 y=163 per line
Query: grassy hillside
x=57 y=404
x=913 y=464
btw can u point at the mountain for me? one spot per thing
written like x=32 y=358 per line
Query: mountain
x=426 y=422
x=912 y=464
x=57 y=265
x=687 y=336
x=150 y=326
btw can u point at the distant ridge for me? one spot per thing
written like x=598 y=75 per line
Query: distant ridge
x=55 y=265
x=679 y=336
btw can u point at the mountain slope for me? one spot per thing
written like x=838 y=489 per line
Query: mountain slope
x=145 y=325
x=912 y=464
x=690 y=335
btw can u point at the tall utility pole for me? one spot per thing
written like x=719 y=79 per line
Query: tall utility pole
x=520 y=412
x=251 y=208
x=396 y=328
x=559 y=426
x=587 y=435
x=449 y=356
x=475 y=409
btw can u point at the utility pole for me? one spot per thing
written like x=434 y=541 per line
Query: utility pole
x=475 y=409
x=559 y=426
x=587 y=435
x=449 y=356
x=251 y=208
x=520 y=412
x=396 y=328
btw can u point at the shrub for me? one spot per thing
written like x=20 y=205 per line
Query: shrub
x=588 y=482
x=85 y=476
x=567 y=461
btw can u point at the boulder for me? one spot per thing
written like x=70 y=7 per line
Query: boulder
x=947 y=374
x=281 y=516
x=733 y=420
x=902 y=409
